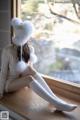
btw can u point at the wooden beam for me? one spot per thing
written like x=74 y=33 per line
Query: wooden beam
x=18 y=8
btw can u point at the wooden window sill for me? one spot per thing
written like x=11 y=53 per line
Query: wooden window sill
x=25 y=104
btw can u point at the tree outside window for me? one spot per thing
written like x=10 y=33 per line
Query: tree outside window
x=57 y=37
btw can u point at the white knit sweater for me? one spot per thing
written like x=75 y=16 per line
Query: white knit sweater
x=8 y=64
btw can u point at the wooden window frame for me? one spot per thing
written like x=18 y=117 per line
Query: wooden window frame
x=15 y=11
x=64 y=88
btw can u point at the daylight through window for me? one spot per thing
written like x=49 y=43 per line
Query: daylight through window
x=57 y=37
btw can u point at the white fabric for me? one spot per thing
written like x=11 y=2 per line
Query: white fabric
x=33 y=57
x=42 y=82
x=42 y=92
x=21 y=66
x=9 y=61
x=23 y=31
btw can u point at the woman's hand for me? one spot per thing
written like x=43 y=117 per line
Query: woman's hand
x=29 y=71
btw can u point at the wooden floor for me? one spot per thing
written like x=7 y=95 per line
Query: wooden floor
x=29 y=105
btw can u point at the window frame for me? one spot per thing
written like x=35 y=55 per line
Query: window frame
x=62 y=87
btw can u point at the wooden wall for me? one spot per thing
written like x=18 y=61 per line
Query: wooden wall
x=5 y=15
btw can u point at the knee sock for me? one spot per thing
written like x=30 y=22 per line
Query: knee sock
x=48 y=95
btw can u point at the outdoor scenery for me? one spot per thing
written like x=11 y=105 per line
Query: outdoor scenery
x=57 y=36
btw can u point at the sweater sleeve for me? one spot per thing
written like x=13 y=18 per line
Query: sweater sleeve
x=4 y=69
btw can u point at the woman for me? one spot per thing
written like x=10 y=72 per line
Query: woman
x=17 y=70
x=10 y=79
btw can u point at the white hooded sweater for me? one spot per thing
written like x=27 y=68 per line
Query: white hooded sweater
x=8 y=63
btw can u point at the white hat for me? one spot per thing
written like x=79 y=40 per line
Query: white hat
x=23 y=31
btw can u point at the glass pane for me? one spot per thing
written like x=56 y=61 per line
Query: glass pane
x=57 y=39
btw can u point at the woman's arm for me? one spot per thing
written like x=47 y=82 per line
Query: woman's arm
x=4 y=70
x=29 y=71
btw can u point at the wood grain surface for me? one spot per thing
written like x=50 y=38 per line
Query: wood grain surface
x=28 y=104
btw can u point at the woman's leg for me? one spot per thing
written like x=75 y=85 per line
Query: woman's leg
x=47 y=93
x=18 y=84
x=23 y=82
x=38 y=77
x=43 y=83
x=63 y=106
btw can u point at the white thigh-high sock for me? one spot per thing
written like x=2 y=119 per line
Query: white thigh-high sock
x=43 y=83
x=58 y=103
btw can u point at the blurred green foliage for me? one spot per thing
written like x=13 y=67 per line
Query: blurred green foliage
x=58 y=65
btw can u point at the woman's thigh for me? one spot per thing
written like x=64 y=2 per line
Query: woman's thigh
x=17 y=84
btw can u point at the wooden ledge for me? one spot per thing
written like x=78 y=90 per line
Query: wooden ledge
x=64 y=88
x=29 y=105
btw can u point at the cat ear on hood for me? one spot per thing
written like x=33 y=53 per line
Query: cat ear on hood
x=16 y=22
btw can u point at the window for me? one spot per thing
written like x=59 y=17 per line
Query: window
x=57 y=37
